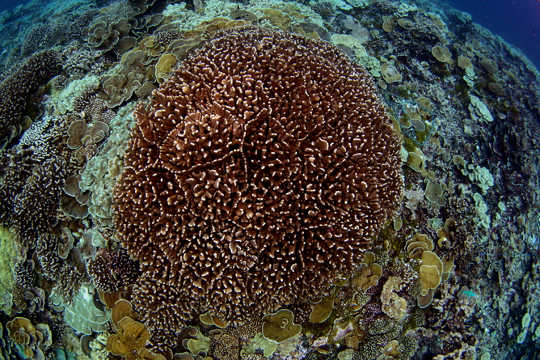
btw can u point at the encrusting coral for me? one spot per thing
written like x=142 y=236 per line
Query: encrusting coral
x=260 y=172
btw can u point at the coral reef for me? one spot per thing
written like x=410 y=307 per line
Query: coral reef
x=250 y=222
x=279 y=188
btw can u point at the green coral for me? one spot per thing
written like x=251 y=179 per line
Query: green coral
x=8 y=249
x=82 y=314
x=372 y=64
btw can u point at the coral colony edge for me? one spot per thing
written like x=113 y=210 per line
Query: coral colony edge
x=248 y=180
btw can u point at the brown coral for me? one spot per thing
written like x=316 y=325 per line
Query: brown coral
x=112 y=270
x=33 y=340
x=261 y=170
x=30 y=192
x=16 y=88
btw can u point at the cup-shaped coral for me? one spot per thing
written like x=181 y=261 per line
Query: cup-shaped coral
x=33 y=340
x=280 y=326
x=321 y=311
x=130 y=341
x=430 y=273
x=121 y=309
x=418 y=244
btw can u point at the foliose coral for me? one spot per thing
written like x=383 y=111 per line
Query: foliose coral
x=261 y=170
x=15 y=89
x=33 y=339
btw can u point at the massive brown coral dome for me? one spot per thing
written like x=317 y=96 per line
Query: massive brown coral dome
x=258 y=174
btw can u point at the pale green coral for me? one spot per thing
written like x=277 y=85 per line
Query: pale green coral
x=477 y=174
x=64 y=99
x=481 y=209
x=372 y=64
x=187 y=19
x=82 y=314
x=480 y=176
x=347 y=5
x=260 y=343
x=102 y=170
x=9 y=251
x=469 y=77
x=479 y=111
x=405 y=8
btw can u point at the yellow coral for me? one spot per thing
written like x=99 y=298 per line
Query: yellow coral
x=132 y=336
x=280 y=326
x=430 y=273
x=210 y=319
x=393 y=305
x=164 y=66
x=418 y=244
x=321 y=311
x=442 y=54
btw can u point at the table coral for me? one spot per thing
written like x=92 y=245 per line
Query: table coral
x=262 y=169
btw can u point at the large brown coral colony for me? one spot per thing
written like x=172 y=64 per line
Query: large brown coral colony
x=258 y=174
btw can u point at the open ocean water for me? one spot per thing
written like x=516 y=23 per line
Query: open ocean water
x=516 y=21
x=269 y=179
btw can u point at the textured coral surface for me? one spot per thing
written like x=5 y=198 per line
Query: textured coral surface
x=260 y=171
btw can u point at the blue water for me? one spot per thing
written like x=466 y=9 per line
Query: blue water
x=9 y=4
x=516 y=21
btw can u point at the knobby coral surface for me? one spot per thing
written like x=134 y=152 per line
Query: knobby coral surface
x=260 y=171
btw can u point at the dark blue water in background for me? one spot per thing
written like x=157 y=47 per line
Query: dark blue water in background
x=9 y=4
x=516 y=21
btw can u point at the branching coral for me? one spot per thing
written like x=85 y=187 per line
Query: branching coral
x=15 y=89
x=112 y=270
x=259 y=173
x=67 y=276
x=30 y=192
